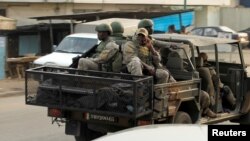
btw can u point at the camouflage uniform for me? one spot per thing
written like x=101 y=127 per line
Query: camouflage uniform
x=119 y=39
x=205 y=103
x=134 y=55
x=228 y=98
x=148 y=24
x=103 y=53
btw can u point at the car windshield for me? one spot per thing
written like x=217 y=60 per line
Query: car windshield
x=76 y=45
x=227 y=29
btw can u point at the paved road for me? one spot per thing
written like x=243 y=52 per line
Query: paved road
x=19 y=122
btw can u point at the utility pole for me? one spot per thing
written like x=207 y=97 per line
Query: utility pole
x=185 y=4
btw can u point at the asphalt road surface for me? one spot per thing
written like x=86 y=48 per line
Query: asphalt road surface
x=20 y=122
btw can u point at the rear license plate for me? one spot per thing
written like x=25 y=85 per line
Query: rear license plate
x=102 y=118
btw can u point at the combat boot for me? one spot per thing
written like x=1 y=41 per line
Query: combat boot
x=211 y=114
x=230 y=99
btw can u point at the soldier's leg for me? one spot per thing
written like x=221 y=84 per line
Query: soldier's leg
x=205 y=103
x=87 y=64
x=135 y=67
x=163 y=76
x=228 y=99
x=207 y=83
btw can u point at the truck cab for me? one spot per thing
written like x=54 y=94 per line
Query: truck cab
x=226 y=57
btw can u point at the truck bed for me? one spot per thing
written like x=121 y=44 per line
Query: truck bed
x=89 y=91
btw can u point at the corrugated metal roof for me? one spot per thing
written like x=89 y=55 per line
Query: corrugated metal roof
x=92 y=16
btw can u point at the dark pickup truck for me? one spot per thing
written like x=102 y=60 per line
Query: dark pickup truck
x=93 y=103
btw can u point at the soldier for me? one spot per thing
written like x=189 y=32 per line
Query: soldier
x=118 y=31
x=205 y=104
x=141 y=58
x=104 y=51
x=148 y=24
x=228 y=99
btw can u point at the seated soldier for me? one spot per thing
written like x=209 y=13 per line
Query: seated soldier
x=120 y=39
x=104 y=51
x=205 y=103
x=228 y=99
x=141 y=58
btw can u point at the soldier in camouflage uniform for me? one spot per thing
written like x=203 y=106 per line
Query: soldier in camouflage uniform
x=119 y=39
x=118 y=31
x=148 y=24
x=205 y=103
x=103 y=53
x=141 y=58
x=228 y=98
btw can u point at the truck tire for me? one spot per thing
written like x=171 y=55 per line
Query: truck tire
x=182 y=117
x=87 y=134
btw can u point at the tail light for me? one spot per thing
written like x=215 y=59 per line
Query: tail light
x=143 y=122
x=53 y=112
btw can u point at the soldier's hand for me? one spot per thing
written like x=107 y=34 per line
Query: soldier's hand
x=151 y=70
x=149 y=43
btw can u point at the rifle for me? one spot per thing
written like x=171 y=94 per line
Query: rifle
x=76 y=59
x=147 y=69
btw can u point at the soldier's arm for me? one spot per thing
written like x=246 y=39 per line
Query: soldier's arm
x=155 y=54
x=128 y=52
x=150 y=69
x=110 y=50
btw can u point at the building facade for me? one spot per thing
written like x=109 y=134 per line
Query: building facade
x=33 y=36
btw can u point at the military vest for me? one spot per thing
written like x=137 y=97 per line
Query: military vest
x=145 y=55
x=100 y=48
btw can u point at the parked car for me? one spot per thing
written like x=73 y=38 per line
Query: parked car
x=248 y=33
x=70 y=47
x=222 y=32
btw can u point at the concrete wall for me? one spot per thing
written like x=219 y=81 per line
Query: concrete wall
x=213 y=15
x=23 y=12
x=235 y=18
x=201 y=18
x=151 y=2
x=207 y=16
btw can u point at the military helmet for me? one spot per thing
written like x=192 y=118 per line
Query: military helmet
x=103 y=27
x=117 y=27
x=145 y=23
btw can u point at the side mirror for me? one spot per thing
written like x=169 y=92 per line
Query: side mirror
x=54 y=47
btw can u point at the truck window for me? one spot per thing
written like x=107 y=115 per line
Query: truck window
x=76 y=45
x=227 y=53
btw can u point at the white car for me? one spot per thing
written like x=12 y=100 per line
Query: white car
x=70 y=47
x=221 y=32
x=158 y=132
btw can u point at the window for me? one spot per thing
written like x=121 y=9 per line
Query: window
x=76 y=44
x=210 y=32
x=197 y=31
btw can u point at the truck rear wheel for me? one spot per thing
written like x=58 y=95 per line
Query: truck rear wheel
x=182 y=117
x=87 y=134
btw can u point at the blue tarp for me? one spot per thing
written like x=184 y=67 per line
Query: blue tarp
x=183 y=19
x=2 y=56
